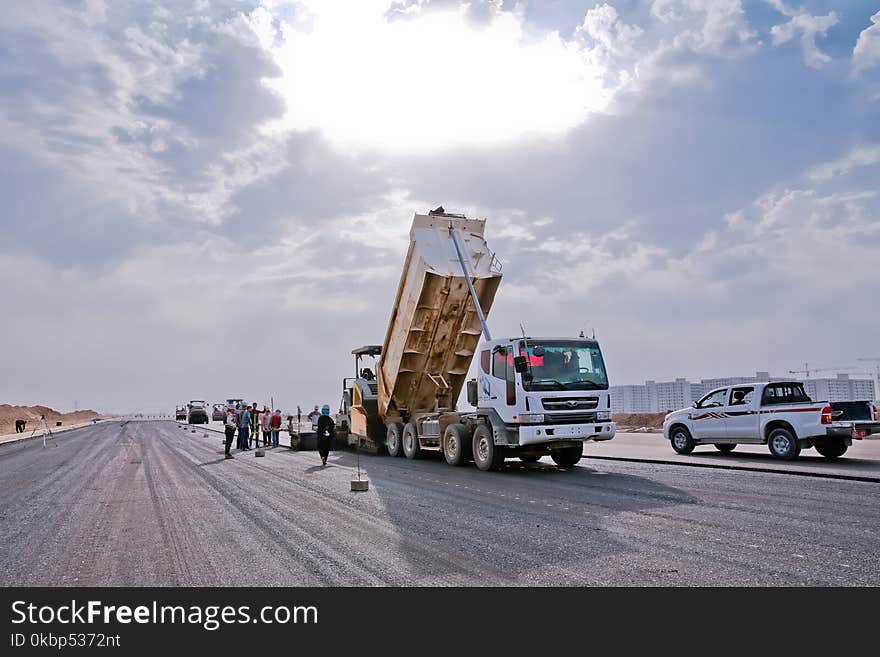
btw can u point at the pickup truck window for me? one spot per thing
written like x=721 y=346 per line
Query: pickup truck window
x=713 y=399
x=784 y=393
x=741 y=396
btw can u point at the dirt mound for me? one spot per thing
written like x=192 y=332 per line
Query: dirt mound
x=9 y=414
x=639 y=420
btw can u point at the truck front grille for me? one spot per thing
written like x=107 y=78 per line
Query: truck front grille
x=569 y=418
x=569 y=403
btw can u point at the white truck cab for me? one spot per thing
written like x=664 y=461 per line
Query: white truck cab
x=544 y=390
x=778 y=414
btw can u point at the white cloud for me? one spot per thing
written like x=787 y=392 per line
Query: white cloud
x=866 y=53
x=711 y=26
x=808 y=27
x=861 y=156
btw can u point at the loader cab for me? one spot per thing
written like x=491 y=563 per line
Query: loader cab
x=358 y=417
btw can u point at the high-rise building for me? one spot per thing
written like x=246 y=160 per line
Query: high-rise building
x=631 y=399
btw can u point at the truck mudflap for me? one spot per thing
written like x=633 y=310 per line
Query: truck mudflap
x=543 y=433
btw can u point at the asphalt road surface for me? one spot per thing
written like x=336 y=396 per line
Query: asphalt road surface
x=151 y=503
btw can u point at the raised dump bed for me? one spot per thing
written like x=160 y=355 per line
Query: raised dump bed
x=434 y=327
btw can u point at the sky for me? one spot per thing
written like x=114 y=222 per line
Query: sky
x=212 y=198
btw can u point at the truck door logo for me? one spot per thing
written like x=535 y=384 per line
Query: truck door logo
x=485 y=387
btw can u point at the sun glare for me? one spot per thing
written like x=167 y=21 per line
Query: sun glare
x=428 y=81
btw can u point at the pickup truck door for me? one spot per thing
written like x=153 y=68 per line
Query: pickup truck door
x=707 y=418
x=741 y=414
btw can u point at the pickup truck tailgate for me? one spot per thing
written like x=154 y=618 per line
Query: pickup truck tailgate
x=858 y=416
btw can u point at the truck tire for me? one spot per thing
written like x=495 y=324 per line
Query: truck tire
x=831 y=449
x=530 y=458
x=394 y=438
x=725 y=448
x=455 y=444
x=567 y=456
x=411 y=447
x=487 y=455
x=681 y=440
x=783 y=444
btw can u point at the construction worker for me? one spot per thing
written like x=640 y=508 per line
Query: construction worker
x=325 y=428
x=229 y=426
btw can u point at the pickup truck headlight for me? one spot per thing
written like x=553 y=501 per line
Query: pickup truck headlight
x=603 y=416
x=531 y=418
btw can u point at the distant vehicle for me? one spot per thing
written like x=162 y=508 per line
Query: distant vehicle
x=197 y=412
x=180 y=413
x=219 y=413
x=779 y=414
x=234 y=403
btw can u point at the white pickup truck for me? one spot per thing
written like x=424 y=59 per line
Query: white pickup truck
x=779 y=414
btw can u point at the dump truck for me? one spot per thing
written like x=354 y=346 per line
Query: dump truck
x=532 y=397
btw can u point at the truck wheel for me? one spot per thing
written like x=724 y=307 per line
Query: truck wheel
x=411 y=447
x=530 y=458
x=725 y=448
x=783 y=445
x=455 y=442
x=831 y=449
x=567 y=456
x=487 y=455
x=681 y=441
x=394 y=439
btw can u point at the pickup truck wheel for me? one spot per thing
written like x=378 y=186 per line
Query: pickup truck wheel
x=783 y=445
x=567 y=456
x=487 y=455
x=681 y=441
x=394 y=439
x=725 y=448
x=455 y=443
x=531 y=458
x=831 y=449
x=411 y=447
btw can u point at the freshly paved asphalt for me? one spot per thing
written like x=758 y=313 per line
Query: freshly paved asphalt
x=151 y=503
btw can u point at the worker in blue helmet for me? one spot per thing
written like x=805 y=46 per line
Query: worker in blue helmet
x=325 y=429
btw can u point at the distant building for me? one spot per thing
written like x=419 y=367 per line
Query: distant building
x=841 y=388
x=672 y=395
x=631 y=399
x=654 y=397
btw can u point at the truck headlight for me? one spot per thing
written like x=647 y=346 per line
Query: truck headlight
x=603 y=416
x=531 y=418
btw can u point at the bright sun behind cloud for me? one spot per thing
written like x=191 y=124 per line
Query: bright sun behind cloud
x=429 y=81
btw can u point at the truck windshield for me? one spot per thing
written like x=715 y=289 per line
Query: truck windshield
x=564 y=365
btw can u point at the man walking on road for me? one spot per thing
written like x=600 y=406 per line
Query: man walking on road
x=230 y=430
x=326 y=425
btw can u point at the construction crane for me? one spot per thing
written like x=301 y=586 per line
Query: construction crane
x=875 y=374
x=807 y=369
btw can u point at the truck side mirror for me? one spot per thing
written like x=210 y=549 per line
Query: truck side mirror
x=520 y=364
x=472 y=392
